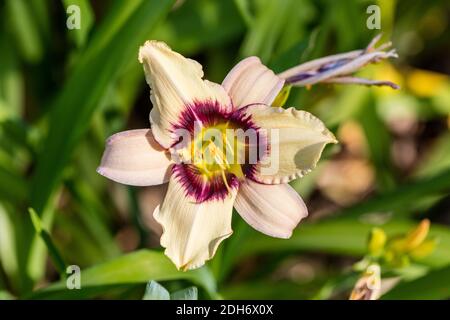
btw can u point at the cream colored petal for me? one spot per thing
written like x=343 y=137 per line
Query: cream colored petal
x=176 y=84
x=271 y=209
x=192 y=231
x=252 y=82
x=134 y=157
x=296 y=140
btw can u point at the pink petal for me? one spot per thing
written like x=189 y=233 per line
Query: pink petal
x=134 y=157
x=271 y=209
x=252 y=82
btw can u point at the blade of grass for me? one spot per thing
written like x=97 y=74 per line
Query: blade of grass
x=401 y=197
x=437 y=158
x=9 y=261
x=379 y=142
x=200 y=24
x=90 y=212
x=262 y=290
x=25 y=29
x=5 y=295
x=434 y=285
x=41 y=13
x=11 y=81
x=73 y=108
x=118 y=15
x=268 y=24
x=244 y=11
x=13 y=247
x=84 y=248
x=55 y=256
x=129 y=22
x=13 y=187
x=137 y=267
x=337 y=236
x=290 y=57
x=36 y=250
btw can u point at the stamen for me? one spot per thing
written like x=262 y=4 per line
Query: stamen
x=224 y=178
x=213 y=165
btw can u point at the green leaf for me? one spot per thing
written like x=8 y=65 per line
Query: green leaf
x=437 y=159
x=190 y=293
x=378 y=141
x=8 y=245
x=37 y=252
x=401 y=197
x=56 y=257
x=41 y=14
x=83 y=91
x=90 y=210
x=434 y=285
x=155 y=291
x=292 y=56
x=35 y=220
x=341 y=236
x=13 y=187
x=244 y=10
x=96 y=69
x=349 y=101
x=134 y=268
x=22 y=19
x=5 y=295
x=268 y=24
x=11 y=81
x=200 y=24
x=264 y=289
x=13 y=254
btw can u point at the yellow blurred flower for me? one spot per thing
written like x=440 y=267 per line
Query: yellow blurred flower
x=400 y=250
x=377 y=241
x=425 y=83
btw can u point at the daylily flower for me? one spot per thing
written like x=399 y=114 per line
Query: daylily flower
x=204 y=183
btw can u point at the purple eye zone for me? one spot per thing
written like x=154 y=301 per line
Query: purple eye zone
x=201 y=189
x=211 y=114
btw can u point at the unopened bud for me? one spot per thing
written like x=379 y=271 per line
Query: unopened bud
x=368 y=287
x=282 y=96
x=424 y=249
x=418 y=235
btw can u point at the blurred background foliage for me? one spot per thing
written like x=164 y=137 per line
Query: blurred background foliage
x=63 y=92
